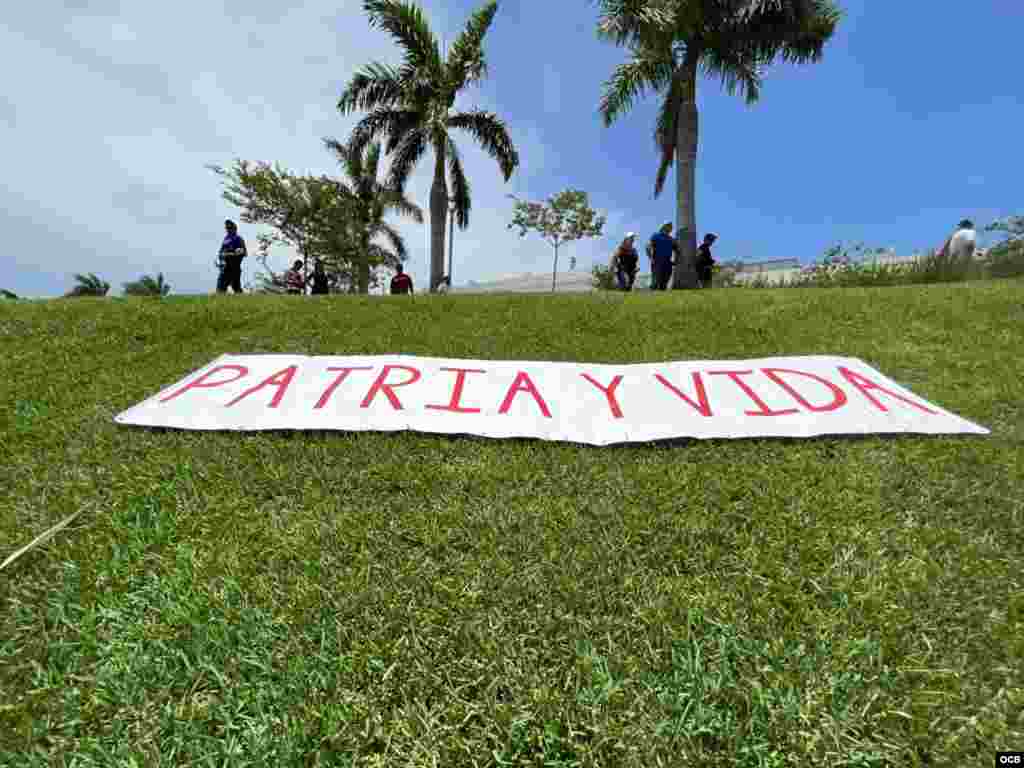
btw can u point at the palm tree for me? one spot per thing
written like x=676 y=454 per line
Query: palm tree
x=670 y=42
x=88 y=285
x=411 y=106
x=148 y=286
x=369 y=200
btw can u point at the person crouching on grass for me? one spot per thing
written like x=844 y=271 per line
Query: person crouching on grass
x=705 y=262
x=625 y=262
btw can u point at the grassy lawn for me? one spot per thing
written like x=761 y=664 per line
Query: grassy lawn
x=418 y=600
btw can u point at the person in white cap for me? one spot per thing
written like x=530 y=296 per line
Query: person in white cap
x=625 y=262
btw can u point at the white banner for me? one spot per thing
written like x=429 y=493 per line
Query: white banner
x=592 y=403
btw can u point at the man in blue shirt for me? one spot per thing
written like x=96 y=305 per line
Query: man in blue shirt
x=661 y=249
x=232 y=251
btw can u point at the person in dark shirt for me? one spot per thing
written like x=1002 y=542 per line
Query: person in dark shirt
x=294 y=283
x=705 y=262
x=626 y=262
x=320 y=281
x=662 y=248
x=232 y=251
x=401 y=283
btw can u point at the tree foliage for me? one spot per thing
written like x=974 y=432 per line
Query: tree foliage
x=307 y=213
x=147 y=285
x=369 y=200
x=410 y=107
x=561 y=219
x=88 y=285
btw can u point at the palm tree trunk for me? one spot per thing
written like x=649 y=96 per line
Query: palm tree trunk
x=438 y=212
x=554 y=269
x=364 y=265
x=686 y=166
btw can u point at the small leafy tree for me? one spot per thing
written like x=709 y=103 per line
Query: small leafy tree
x=8 y=294
x=88 y=285
x=307 y=213
x=1006 y=259
x=147 y=285
x=563 y=218
x=1011 y=227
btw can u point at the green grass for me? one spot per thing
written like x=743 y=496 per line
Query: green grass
x=417 y=600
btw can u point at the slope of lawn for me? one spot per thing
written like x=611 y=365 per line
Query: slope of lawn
x=418 y=600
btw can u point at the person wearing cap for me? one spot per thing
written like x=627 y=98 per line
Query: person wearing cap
x=705 y=262
x=962 y=243
x=625 y=262
x=229 y=260
x=661 y=249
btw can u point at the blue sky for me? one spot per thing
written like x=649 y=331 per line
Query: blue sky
x=905 y=126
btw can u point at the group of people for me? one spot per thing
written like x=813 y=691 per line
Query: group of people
x=233 y=251
x=662 y=251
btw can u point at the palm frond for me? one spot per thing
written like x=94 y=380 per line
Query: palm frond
x=395 y=201
x=629 y=22
x=395 y=239
x=381 y=122
x=648 y=70
x=466 y=62
x=738 y=69
x=460 y=189
x=491 y=134
x=350 y=158
x=375 y=85
x=405 y=156
x=371 y=163
x=408 y=26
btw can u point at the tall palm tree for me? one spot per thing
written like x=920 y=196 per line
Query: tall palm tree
x=369 y=200
x=88 y=285
x=147 y=285
x=411 y=106
x=670 y=42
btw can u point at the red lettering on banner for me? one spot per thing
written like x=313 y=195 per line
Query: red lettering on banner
x=838 y=396
x=342 y=375
x=864 y=384
x=519 y=386
x=388 y=389
x=609 y=392
x=200 y=382
x=460 y=382
x=701 y=406
x=271 y=381
x=761 y=404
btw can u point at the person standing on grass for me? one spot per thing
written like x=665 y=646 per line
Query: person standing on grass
x=320 y=283
x=401 y=283
x=294 y=284
x=962 y=243
x=229 y=260
x=625 y=262
x=661 y=249
x=705 y=261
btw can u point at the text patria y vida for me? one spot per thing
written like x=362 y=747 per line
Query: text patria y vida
x=806 y=392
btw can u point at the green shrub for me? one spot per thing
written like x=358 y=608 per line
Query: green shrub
x=604 y=278
x=1006 y=259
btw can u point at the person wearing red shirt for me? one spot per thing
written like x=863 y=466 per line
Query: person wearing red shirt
x=401 y=283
